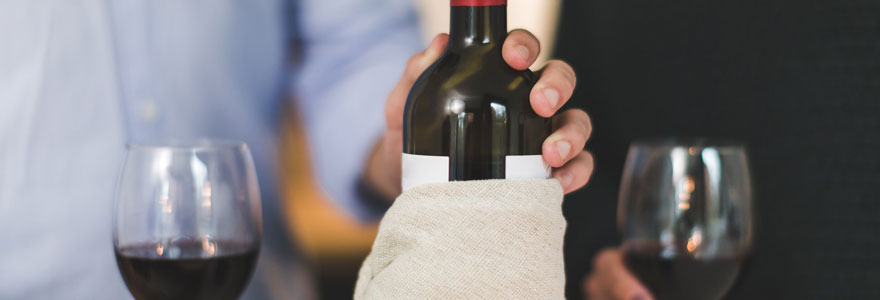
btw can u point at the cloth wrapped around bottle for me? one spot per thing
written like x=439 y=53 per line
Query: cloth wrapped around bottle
x=487 y=239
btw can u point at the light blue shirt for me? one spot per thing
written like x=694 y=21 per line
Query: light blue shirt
x=79 y=79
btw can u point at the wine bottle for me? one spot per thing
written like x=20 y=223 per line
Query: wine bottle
x=468 y=116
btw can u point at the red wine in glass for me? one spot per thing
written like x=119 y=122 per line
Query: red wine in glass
x=684 y=277
x=188 y=221
x=187 y=270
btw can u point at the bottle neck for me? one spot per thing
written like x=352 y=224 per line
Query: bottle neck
x=477 y=26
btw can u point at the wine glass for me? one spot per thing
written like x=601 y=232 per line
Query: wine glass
x=188 y=223
x=685 y=215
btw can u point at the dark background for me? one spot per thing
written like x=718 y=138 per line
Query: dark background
x=797 y=80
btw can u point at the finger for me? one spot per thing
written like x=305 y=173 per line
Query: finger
x=574 y=128
x=414 y=68
x=553 y=89
x=520 y=49
x=616 y=279
x=422 y=60
x=576 y=173
x=593 y=289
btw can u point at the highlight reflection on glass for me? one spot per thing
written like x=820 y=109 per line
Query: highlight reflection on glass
x=685 y=215
x=188 y=222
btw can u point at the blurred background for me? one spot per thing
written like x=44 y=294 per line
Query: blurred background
x=797 y=81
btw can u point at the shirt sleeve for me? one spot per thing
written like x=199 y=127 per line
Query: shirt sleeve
x=352 y=54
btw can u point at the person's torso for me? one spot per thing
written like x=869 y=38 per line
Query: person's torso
x=79 y=80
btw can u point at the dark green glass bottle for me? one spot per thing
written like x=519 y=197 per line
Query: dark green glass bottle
x=468 y=117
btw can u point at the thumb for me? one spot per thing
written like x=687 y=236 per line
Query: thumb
x=422 y=60
x=414 y=68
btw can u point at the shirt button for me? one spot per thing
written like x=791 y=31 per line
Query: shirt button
x=149 y=110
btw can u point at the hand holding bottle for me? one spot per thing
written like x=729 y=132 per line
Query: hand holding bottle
x=562 y=150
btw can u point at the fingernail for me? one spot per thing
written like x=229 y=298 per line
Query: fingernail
x=523 y=51
x=552 y=97
x=564 y=179
x=564 y=148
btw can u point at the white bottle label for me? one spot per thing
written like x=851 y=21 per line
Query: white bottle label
x=422 y=169
x=526 y=167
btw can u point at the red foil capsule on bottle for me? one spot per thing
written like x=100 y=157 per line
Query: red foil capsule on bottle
x=478 y=2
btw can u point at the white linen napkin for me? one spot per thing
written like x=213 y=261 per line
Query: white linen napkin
x=487 y=239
